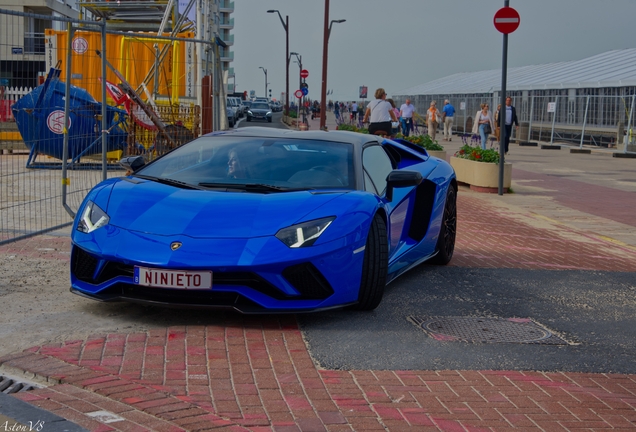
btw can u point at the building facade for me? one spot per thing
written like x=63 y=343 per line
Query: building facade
x=23 y=45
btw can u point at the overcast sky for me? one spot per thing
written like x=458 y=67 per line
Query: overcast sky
x=398 y=44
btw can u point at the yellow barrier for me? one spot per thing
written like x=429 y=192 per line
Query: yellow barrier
x=134 y=55
x=10 y=136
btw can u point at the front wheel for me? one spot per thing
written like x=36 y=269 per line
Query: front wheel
x=446 y=240
x=374 y=266
x=269 y=119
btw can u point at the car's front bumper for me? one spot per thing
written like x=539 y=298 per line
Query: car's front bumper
x=249 y=275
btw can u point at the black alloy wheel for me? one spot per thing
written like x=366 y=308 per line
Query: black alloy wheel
x=448 y=230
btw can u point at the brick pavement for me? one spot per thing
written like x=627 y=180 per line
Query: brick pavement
x=255 y=373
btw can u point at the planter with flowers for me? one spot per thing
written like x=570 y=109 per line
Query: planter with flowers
x=480 y=168
x=432 y=147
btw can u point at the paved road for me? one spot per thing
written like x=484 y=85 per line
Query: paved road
x=594 y=312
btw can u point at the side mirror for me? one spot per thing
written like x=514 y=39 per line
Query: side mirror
x=132 y=163
x=398 y=178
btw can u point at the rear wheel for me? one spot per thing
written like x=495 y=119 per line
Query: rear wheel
x=446 y=241
x=374 y=266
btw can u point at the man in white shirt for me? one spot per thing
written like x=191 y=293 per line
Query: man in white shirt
x=354 y=110
x=406 y=114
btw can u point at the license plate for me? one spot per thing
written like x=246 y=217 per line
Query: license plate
x=179 y=279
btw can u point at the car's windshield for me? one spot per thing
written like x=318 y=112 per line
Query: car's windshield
x=287 y=164
x=260 y=105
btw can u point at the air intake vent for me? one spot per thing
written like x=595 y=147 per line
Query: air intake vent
x=84 y=265
x=308 y=281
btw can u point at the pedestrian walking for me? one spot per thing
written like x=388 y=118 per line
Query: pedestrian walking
x=483 y=124
x=395 y=126
x=497 y=124
x=354 y=110
x=448 y=112
x=379 y=114
x=511 y=118
x=433 y=118
x=406 y=116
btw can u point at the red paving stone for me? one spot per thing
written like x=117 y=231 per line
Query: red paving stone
x=255 y=373
x=597 y=200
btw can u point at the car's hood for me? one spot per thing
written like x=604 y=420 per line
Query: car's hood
x=260 y=110
x=155 y=208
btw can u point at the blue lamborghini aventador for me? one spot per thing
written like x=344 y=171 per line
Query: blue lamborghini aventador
x=263 y=220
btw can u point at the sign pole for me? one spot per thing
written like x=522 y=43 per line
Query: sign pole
x=554 y=113
x=502 y=111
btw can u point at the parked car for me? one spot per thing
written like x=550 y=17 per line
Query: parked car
x=231 y=116
x=259 y=111
x=232 y=103
x=261 y=219
x=244 y=106
x=239 y=106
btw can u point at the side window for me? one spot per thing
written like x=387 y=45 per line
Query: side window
x=377 y=166
x=368 y=184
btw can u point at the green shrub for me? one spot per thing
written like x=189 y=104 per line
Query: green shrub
x=478 y=154
x=423 y=141
x=352 y=128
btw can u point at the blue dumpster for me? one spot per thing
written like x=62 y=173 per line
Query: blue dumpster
x=40 y=119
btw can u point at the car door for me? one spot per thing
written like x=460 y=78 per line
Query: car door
x=377 y=165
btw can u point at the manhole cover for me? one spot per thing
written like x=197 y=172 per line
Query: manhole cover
x=486 y=330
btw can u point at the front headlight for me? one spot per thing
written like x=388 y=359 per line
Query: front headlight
x=92 y=218
x=269 y=113
x=304 y=234
x=249 y=112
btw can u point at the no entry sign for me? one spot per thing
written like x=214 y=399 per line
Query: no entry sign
x=304 y=73
x=506 y=20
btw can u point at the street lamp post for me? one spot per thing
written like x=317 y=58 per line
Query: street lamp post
x=325 y=54
x=299 y=59
x=286 y=27
x=264 y=70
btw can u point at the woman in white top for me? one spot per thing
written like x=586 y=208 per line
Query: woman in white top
x=379 y=114
x=483 y=118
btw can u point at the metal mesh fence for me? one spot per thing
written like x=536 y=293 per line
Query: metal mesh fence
x=32 y=131
x=55 y=113
x=571 y=118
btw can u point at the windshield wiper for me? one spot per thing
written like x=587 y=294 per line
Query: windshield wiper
x=169 y=181
x=253 y=187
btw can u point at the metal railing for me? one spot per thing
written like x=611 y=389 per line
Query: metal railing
x=596 y=121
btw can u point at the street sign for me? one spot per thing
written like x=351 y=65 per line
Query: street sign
x=298 y=94
x=304 y=85
x=506 y=20
x=304 y=73
x=305 y=90
x=551 y=107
